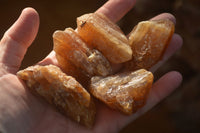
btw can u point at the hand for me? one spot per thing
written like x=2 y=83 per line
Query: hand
x=20 y=111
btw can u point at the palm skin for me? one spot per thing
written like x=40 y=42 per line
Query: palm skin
x=20 y=111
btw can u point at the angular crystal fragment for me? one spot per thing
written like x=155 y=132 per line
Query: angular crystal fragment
x=149 y=40
x=126 y=92
x=69 y=46
x=61 y=91
x=102 y=34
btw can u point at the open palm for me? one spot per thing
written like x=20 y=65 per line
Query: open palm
x=20 y=111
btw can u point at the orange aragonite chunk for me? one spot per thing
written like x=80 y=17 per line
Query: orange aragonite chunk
x=69 y=46
x=149 y=40
x=102 y=34
x=126 y=92
x=62 y=91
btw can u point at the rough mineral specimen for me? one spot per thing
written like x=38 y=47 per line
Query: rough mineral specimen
x=149 y=40
x=62 y=91
x=125 y=92
x=69 y=46
x=102 y=34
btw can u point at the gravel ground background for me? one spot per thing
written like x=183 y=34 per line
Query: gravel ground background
x=178 y=113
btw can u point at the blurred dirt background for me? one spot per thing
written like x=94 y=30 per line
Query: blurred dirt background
x=178 y=113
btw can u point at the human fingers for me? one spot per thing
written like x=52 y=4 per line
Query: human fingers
x=165 y=16
x=17 y=39
x=116 y=9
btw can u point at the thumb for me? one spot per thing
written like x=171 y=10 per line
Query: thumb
x=17 y=39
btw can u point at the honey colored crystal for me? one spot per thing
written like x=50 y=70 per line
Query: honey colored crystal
x=62 y=91
x=71 y=48
x=126 y=92
x=102 y=34
x=149 y=40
